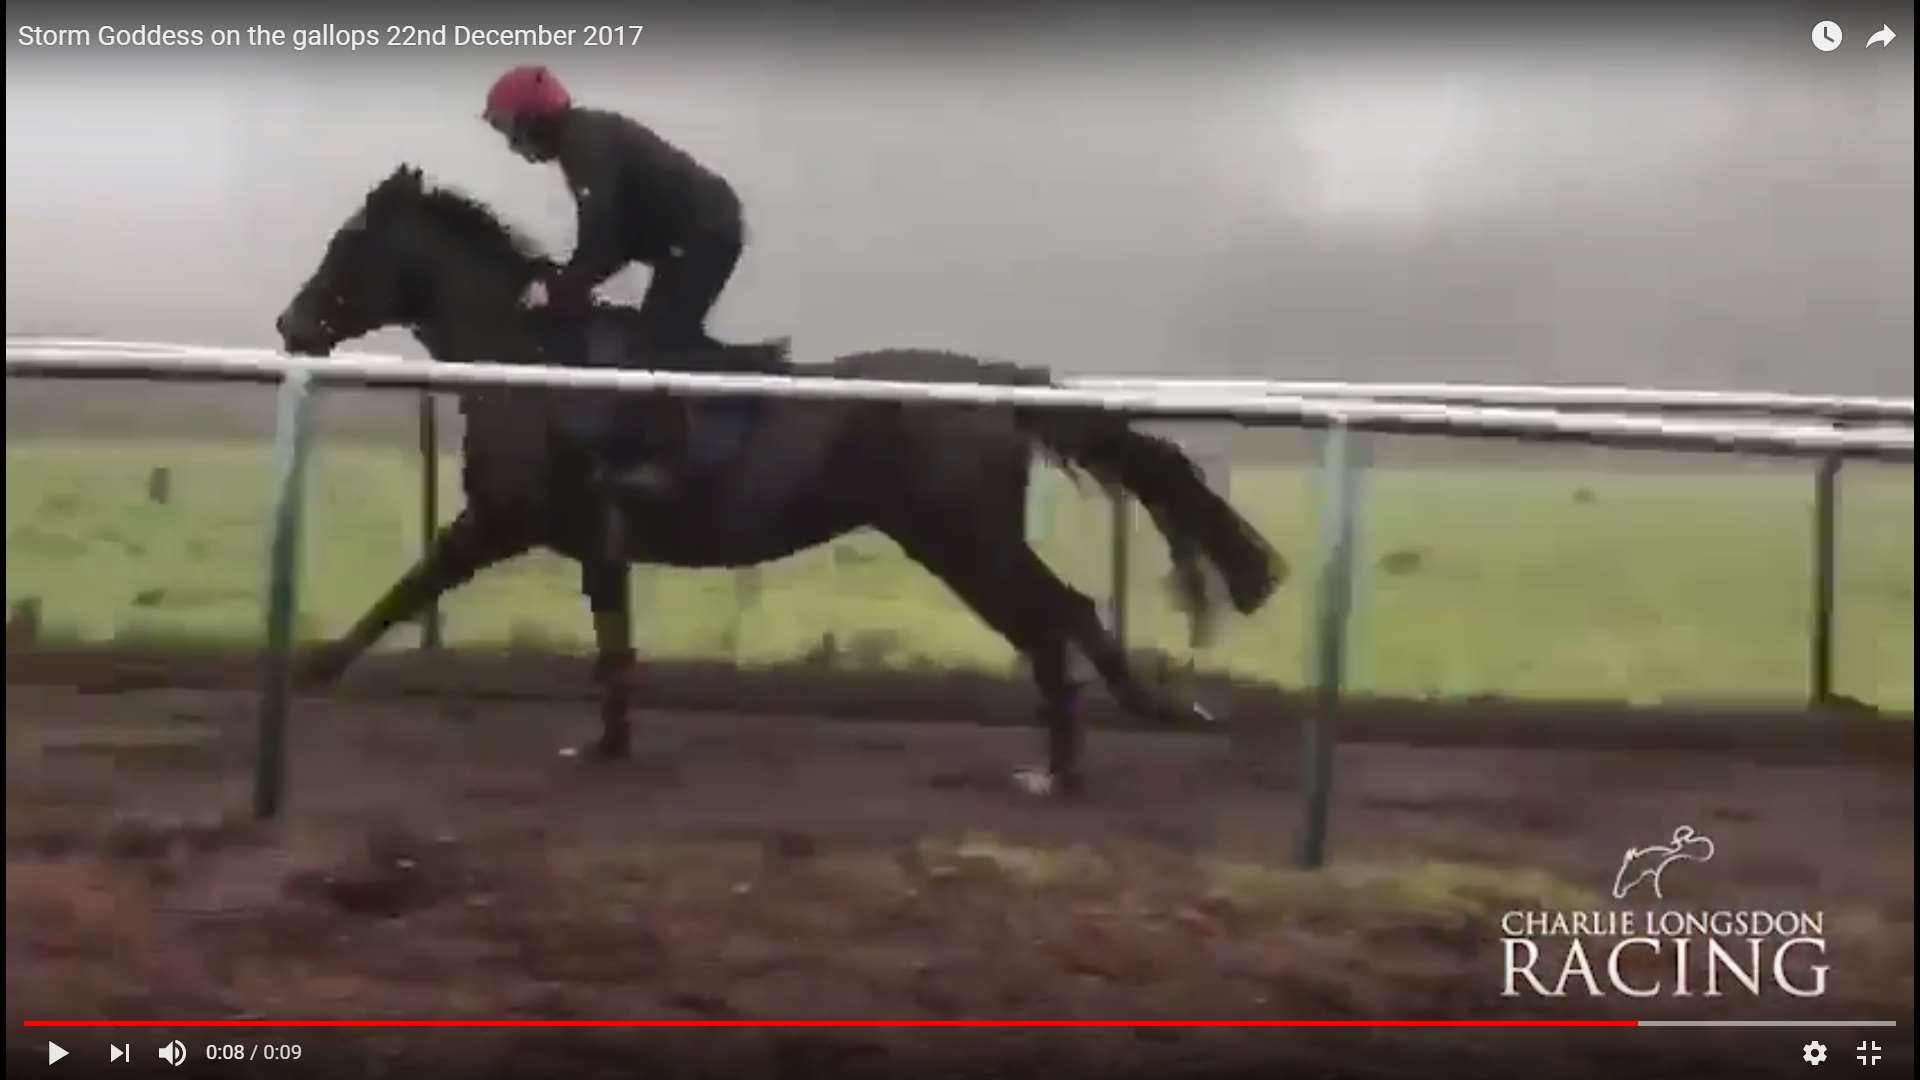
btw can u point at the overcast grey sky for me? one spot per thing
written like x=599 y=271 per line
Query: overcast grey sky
x=1297 y=200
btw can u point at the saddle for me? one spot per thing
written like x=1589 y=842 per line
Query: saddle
x=652 y=442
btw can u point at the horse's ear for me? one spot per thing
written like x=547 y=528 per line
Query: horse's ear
x=405 y=179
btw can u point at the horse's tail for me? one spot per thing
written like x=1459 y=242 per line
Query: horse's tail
x=1200 y=528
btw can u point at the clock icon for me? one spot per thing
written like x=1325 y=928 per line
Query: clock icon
x=1826 y=35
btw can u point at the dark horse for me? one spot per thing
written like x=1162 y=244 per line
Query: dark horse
x=946 y=483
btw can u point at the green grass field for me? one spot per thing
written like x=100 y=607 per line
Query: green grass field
x=1479 y=580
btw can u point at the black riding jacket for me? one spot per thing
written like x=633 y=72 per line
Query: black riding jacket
x=637 y=196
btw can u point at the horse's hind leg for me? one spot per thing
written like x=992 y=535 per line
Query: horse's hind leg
x=1059 y=715
x=1073 y=621
x=466 y=546
x=603 y=578
x=1109 y=658
x=1009 y=587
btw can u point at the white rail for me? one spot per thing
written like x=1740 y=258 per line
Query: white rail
x=1609 y=397
x=1625 y=398
x=259 y=365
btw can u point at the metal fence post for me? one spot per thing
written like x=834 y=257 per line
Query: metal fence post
x=429 y=506
x=746 y=597
x=1120 y=562
x=283 y=564
x=1339 y=531
x=1039 y=506
x=1826 y=499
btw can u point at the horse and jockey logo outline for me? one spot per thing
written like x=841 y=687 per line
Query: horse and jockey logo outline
x=1650 y=862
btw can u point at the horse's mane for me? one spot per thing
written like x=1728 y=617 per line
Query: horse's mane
x=466 y=219
x=472 y=222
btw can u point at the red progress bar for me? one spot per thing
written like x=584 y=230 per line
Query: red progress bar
x=832 y=1023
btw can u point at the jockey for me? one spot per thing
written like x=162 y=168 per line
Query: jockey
x=638 y=199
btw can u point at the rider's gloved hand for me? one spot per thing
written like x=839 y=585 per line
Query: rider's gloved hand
x=535 y=296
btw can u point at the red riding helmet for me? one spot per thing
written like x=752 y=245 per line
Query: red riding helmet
x=526 y=93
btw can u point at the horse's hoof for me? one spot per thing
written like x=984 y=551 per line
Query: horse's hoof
x=318 y=668
x=1185 y=717
x=1044 y=784
x=596 y=751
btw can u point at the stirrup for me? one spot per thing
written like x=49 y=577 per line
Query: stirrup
x=647 y=477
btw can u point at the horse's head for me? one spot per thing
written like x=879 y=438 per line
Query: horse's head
x=410 y=254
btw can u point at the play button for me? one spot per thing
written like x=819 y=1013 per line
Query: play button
x=55 y=1052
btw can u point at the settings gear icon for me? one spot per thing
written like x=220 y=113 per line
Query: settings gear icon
x=1814 y=1053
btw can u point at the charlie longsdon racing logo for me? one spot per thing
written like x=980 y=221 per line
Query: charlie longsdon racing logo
x=1663 y=952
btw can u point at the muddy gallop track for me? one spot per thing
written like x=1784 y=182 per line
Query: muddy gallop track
x=439 y=859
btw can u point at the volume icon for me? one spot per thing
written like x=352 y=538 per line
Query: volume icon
x=173 y=1053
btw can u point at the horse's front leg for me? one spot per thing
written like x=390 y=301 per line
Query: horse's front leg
x=603 y=578
x=466 y=546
